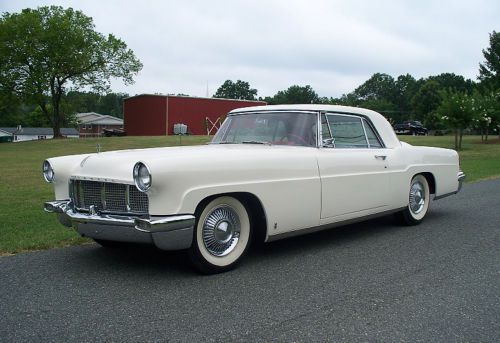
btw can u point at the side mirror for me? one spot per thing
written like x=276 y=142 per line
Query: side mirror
x=329 y=143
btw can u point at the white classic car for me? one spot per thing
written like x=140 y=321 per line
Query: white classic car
x=269 y=172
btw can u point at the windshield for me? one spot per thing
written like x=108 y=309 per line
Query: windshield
x=276 y=128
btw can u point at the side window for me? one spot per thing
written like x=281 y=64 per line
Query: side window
x=347 y=131
x=372 y=137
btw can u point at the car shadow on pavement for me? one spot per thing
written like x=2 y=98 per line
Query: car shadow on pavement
x=136 y=258
x=133 y=258
x=341 y=236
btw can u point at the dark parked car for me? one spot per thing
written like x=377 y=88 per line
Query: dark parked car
x=114 y=132
x=410 y=127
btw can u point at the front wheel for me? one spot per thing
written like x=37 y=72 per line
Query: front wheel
x=222 y=235
x=418 y=202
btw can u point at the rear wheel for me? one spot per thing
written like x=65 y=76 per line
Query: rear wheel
x=418 y=202
x=222 y=235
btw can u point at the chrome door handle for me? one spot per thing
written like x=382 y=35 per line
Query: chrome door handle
x=381 y=157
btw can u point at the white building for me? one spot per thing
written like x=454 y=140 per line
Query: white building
x=21 y=134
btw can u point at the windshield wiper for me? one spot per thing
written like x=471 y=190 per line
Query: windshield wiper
x=255 y=142
x=223 y=142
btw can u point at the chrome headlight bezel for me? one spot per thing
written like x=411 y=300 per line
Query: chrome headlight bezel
x=142 y=177
x=48 y=171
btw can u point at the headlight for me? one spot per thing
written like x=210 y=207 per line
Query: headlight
x=48 y=172
x=142 y=177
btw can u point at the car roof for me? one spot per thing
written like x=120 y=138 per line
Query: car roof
x=304 y=107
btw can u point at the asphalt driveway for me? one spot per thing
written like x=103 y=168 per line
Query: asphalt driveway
x=374 y=281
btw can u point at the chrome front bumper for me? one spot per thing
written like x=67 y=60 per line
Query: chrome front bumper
x=166 y=232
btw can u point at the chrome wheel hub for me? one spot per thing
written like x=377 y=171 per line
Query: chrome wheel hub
x=221 y=230
x=417 y=197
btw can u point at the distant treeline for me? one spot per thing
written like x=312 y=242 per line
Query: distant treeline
x=400 y=98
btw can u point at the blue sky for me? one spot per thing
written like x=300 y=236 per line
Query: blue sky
x=334 y=46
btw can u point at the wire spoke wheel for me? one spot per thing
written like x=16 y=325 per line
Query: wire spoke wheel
x=418 y=202
x=221 y=230
x=417 y=197
x=222 y=235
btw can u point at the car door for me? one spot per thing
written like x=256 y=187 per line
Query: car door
x=353 y=165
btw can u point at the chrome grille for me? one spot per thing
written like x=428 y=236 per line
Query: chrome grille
x=138 y=199
x=108 y=197
x=116 y=198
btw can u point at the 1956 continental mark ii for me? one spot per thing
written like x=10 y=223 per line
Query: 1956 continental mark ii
x=269 y=172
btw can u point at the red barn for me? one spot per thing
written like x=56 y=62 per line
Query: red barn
x=156 y=115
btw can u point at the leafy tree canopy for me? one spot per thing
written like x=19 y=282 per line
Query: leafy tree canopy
x=427 y=98
x=236 y=90
x=48 y=50
x=295 y=95
x=457 y=111
x=378 y=86
x=406 y=86
x=489 y=70
x=451 y=81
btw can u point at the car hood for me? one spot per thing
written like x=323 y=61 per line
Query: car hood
x=117 y=166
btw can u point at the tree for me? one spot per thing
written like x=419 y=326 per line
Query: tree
x=111 y=103
x=379 y=86
x=486 y=109
x=489 y=71
x=454 y=82
x=10 y=113
x=406 y=86
x=456 y=110
x=48 y=50
x=295 y=95
x=236 y=90
x=427 y=99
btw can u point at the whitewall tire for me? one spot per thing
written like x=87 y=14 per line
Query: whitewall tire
x=222 y=235
x=418 y=202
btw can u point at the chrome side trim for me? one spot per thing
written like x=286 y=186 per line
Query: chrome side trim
x=330 y=226
x=438 y=197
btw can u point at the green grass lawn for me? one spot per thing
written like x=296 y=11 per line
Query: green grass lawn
x=24 y=225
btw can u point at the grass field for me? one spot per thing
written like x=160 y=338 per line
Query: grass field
x=24 y=225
